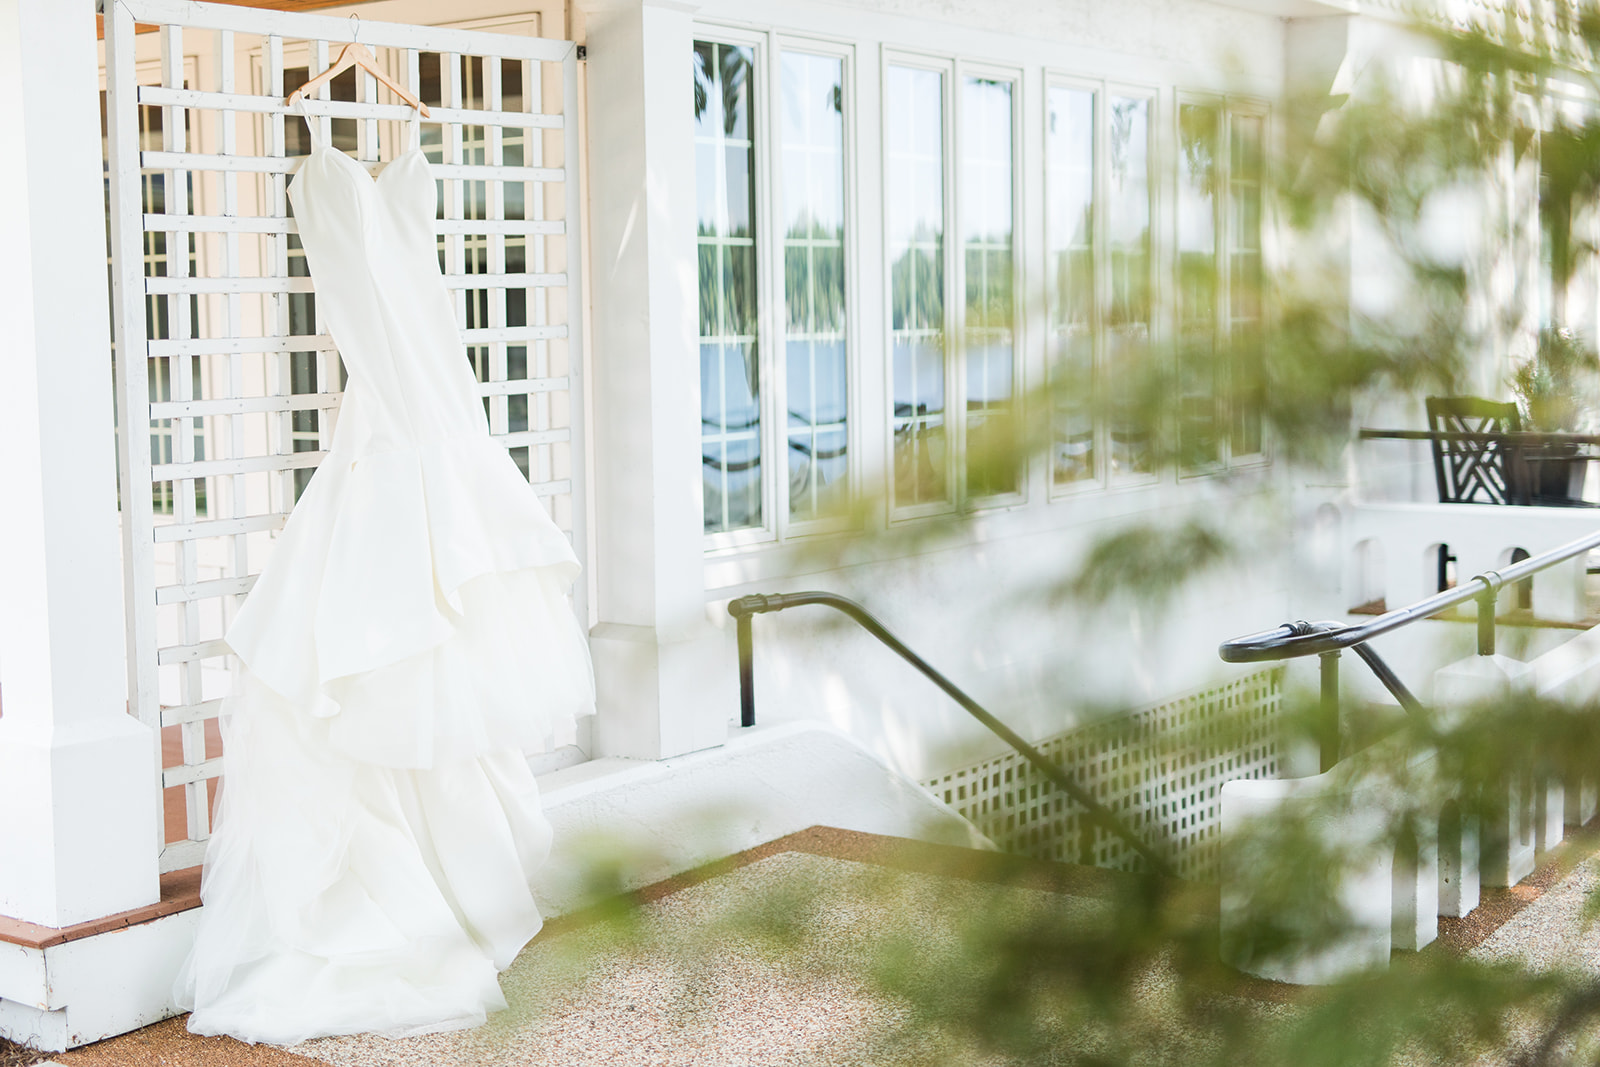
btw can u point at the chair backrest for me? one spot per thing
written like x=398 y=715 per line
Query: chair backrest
x=1472 y=472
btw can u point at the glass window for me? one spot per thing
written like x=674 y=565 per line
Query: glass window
x=813 y=284
x=1128 y=246
x=1069 y=212
x=1246 y=278
x=988 y=265
x=1199 y=169
x=730 y=386
x=915 y=203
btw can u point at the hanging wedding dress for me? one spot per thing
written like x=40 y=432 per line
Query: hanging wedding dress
x=408 y=642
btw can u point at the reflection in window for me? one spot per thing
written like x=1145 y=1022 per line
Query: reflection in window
x=986 y=229
x=1128 y=245
x=1246 y=279
x=730 y=411
x=1070 y=214
x=915 y=200
x=813 y=283
x=1199 y=137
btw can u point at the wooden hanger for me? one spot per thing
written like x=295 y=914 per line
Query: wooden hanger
x=356 y=54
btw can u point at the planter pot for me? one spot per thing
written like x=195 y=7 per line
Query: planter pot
x=1553 y=474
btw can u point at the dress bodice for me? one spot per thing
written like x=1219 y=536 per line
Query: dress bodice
x=372 y=251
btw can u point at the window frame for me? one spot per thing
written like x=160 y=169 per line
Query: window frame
x=958 y=286
x=789 y=528
x=1100 y=278
x=946 y=67
x=1229 y=106
x=954 y=71
x=1031 y=216
x=1104 y=89
x=768 y=47
x=1234 y=105
x=766 y=317
x=1221 y=295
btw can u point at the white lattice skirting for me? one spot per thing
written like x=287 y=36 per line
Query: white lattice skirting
x=1161 y=768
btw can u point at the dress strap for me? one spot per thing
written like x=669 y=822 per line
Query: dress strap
x=311 y=126
x=415 y=137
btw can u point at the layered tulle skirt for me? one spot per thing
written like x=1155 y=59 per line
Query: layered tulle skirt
x=378 y=825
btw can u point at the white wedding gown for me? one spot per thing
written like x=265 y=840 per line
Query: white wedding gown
x=409 y=641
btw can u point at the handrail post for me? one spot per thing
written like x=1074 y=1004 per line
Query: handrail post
x=1328 y=727
x=1486 y=606
x=747 y=673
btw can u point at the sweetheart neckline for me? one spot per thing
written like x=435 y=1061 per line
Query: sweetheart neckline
x=375 y=180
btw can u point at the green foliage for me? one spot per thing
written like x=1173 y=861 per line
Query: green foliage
x=1137 y=978
x=1151 y=562
x=1555 y=389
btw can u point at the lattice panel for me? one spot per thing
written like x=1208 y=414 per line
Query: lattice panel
x=232 y=391
x=1161 y=769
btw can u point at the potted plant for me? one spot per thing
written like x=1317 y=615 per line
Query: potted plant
x=1554 y=391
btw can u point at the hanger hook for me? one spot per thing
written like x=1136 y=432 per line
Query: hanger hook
x=355 y=33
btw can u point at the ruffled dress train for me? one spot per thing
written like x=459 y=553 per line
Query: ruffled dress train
x=409 y=643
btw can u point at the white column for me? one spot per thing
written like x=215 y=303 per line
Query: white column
x=77 y=786
x=666 y=680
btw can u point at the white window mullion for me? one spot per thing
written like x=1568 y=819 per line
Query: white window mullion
x=1102 y=286
x=955 y=290
x=772 y=242
x=769 y=294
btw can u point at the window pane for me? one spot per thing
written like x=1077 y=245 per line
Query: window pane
x=986 y=247
x=730 y=385
x=1128 y=245
x=1245 y=280
x=813 y=261
x=1069 y=211
x=1199 y=168
x=915 y=192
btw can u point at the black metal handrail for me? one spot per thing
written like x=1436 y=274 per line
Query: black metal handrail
x=1525 y=450
x=1326 y=639
x=743 y=608
x=1513 y=437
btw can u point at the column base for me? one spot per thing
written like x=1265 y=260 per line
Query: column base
x=81 y=832
x=655 y=698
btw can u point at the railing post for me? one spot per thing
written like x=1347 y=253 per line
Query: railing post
x=1328 y=727
x=1486 y=606
x=747 y=679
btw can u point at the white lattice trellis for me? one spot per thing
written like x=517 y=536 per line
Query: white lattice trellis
x=1161 y=769
x=227 y=391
